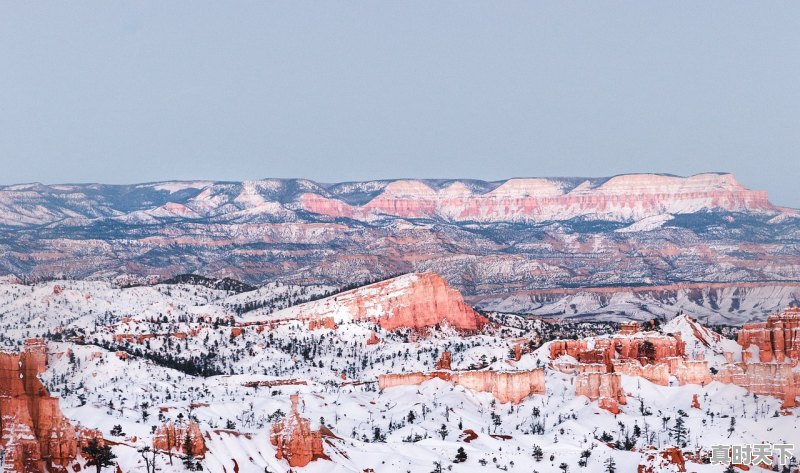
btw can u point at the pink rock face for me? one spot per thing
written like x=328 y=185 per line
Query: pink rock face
x=777 y=339
x=655 y=373
x=295 y=441
x=634 y=196
x=628 y=328
x=692 y=372
x=770 y=379
x=173 y=437
x=603 y=387
x=505 y=386
x=35 y=435
x=416 y=301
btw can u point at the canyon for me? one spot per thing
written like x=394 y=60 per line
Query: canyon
x=626 y=246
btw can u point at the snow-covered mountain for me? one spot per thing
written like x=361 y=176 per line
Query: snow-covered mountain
x=494 y=241
x=395 y=376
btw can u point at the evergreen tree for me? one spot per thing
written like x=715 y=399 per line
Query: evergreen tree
x=99 y=456
x=679 y=432
x=732 y=427
x=461 y=455
x=537 y=453
x=611 y=465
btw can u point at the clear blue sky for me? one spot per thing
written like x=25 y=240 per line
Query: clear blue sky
x=135 y=91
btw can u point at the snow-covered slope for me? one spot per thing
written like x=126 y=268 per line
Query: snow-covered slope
x=140 y=358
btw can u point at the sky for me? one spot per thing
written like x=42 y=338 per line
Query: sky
x=139 y=91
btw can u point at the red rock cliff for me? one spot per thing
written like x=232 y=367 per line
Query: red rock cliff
x=171 y=436
x=416 y=301
x=36 y=436
x=777 y=339
x=505 y=386
x=605 y=387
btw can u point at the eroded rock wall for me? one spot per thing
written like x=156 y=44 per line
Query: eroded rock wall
x=35 y=434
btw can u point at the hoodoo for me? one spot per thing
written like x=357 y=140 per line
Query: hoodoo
x=295 y=441
x=777 y=339
x=35 y=434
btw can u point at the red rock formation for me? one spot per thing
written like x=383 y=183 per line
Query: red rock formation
x=770 y=379
x=295 y=441
x=604 y=349
x=777 y=339
x=415 y=301
x=325 y=322
x=543 y=199
x=236 y=331
x=695 y=402
x=628 y=328
x=34 y=433
x=664 y=460
x=505 y=386
x=444 y=361
x=172 y=437
x=604 y=387
x=655 y=373
x=373 y=339
x=692 y=372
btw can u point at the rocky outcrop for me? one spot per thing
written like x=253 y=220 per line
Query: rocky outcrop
x=175 y=437
x=505 y=386
x=777 y=339
x=646 y=347
x=695 y=402
x=373 y=339
x=603 y=387
x=413 y=301
x=657 y=373
x=772 y=379
x=33 y=431
x=444 y=361
x=295 y=441
x=325 y=322
x=667 y=460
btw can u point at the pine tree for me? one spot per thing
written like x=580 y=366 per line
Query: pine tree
x=461 y=455
x=679 y=432
x=99 y=456
x=611 y=465
x=537 y=453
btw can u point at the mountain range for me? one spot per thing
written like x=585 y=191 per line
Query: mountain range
x=540 y=245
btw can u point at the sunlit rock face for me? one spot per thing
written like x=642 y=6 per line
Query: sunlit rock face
x=645 y=347
x=634 y=196
x=772 y=379
x=173 y=437
x=505 y=386
x=413 y=301
x=295 y=441
x=603 y=387
x=777 y=339
x=35 y=435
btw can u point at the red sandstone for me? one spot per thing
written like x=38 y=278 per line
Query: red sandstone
x=35 y=434
x=505 y=386
x=295 y=441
